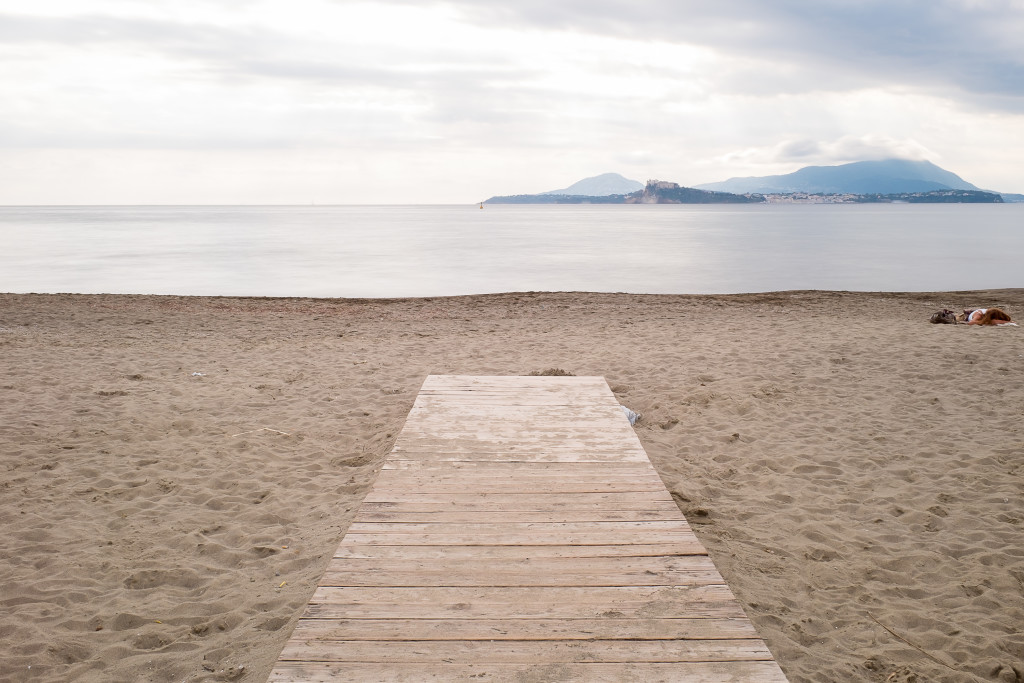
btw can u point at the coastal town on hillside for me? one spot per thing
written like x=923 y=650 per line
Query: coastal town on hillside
x=933 y=197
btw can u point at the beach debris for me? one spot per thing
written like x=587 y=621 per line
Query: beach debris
x=630 y=415
x=916 y=647
x=199 y=374
x=261 y=429
x=281 y=585
x=945 y=317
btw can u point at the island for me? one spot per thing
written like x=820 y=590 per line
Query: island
x=903 y=181
x=663 y=192
x=655 y=192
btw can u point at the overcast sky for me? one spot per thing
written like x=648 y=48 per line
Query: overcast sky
x=338 y=101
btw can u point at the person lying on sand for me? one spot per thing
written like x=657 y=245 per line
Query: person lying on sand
x=987 y=316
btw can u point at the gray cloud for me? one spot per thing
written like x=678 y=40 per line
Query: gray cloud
x=445 y=92
x=199 y=40
x=787 y=46
x=840 y=150
x=795 y=150
x=973 y=47
x=255 y=86
x=260 y=53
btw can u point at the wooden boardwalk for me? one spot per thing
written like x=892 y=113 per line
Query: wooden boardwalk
x=518 y=532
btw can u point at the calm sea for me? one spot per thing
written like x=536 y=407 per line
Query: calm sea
x=392 y=251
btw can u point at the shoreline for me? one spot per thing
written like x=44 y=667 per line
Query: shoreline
x=928 y=296
x=853 y=470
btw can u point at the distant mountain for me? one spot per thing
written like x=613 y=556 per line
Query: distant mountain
x=561 y=199
x=600 y=186
x=891 y=176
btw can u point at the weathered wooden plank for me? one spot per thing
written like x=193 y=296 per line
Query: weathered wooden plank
x=520 y=390
x=444 y=412
x=433 y=381
x=711 y=601
x=591 y=387
x=542 y=564
x=459 y=516
x=676 y=672
x=526 y=651
x=528 y=538
x=497 y=468
x=572 y=448
x=487 y=433
x=689 y=546
x=468 y=386
x=524 y=577
x=523 y=431
x=466 y=445
x=338 y=609
x=410 y=476
x=459 y=418
x=484 y=470
x=523 y=629
x=563 y=393
x=465 y=420
x=537 y=455
x=515 y=527
x=670 y=598
x=484 y=509
x=454 y=465
x=404 y=479
x=694 y=570
x=566 y=393
x=527 y=501
x=450 y=414
x=510 y=485
x=537 y=402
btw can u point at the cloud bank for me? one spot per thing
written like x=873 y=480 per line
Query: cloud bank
x=456 y=101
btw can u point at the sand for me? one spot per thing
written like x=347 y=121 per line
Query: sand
x=177 y=471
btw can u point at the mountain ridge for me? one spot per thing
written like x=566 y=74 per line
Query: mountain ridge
x=856 y=182
x=602 y=185
x=887 y=176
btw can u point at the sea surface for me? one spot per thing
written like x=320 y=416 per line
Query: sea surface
x=399 y=251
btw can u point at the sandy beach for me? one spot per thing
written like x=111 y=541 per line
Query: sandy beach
x=177 y=471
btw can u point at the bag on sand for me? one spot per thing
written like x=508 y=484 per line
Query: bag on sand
x=945 y=316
